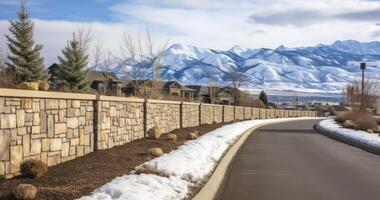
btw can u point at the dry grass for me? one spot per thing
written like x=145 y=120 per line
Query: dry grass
x=33 y=168
x=363 y=120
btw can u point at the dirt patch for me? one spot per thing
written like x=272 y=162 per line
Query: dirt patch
x=79 y=177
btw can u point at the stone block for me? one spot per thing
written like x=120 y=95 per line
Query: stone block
x=73 y=112
x=60 y=128
x=26 y=103
x=50 y=125
x=72 y=122
x=89 y=116
x=62 y=104
x=2 y=169
x=65 y=149
x=53 y=158
x=36 y=129
x=55 y=144
x=7 y=121
x=16 y=158
x=35 y=147
x=52 y=104
x=4 y=145
x=45 y=144
x=2 y=104
x=75 y=103
x=36 y=119
x=20 y=115
x=26 y=145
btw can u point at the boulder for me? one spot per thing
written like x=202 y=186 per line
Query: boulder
x=370 y=131
x=154 y=133
x=28 y=86
x=350 y=124
x=194 y=135
x=24 y=191
x=43 y=86
x=172 y=137
x=156 y=152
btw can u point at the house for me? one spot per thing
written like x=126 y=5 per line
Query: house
x=214 y=95
x=105 y=83
x=158 y=89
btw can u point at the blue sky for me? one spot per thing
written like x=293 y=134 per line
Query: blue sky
x=72 y=10
x=218 y=24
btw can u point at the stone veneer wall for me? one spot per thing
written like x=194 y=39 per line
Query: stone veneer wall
x=53 y=130
x=229 y=113
x=255 y=113
x=163 y=114
x=239 y=113
x=211 y=113
x=190 y=114
x=119 y=122
x=247 y=112
x=57 y=127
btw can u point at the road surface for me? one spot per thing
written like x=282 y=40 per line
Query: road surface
x=290 y=161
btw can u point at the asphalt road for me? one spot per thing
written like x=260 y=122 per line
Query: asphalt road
x=290 y=161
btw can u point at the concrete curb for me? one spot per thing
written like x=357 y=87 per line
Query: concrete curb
x=359 y=144
x=210 y=190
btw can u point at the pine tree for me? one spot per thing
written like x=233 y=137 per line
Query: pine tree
x=24 y=58
x=71 y=73
x=263 y=97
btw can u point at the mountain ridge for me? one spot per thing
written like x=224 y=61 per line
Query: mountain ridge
x=323 y=68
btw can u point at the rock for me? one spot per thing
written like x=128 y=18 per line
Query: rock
x=193 y=135
x=43 y=86
x=370 y=131
x=172 y=137
x=28 y=86
x=349 y=124
x=154 y=133
x=156 y=152
x=25 y=191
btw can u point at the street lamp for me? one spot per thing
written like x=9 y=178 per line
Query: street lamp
x=362 y=67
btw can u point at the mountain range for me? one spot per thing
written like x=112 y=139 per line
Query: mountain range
x=319 y=69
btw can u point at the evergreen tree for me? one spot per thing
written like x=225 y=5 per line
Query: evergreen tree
x=71 y=73
x=24 y=58
x=263 y=97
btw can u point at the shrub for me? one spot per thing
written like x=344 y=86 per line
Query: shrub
x=33 y=168
x=362 y=120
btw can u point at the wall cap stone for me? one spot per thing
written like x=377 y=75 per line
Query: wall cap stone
x=120 y=99
x=42 y=94
x=209 y=104
x=163 y=101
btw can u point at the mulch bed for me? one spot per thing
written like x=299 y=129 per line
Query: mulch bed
x=79 y=177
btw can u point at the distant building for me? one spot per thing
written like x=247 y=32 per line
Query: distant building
x=105 y=83
x=213 y=95
x=377 y=105
x=165 y=89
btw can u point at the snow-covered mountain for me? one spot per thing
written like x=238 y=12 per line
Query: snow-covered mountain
x=323 y=68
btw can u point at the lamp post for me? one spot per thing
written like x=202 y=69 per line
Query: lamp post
x=362 y=67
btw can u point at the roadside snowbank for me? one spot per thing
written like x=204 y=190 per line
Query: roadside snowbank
x=362 y=137
x=186 y=166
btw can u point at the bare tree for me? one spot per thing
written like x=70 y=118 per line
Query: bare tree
x=7 y=77
x=85 y=37
x=362 y=98
x=213 y=85
x=145 y=60
x=236 y=80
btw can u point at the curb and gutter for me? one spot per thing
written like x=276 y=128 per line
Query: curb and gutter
x=342 y=138
x=210 y=190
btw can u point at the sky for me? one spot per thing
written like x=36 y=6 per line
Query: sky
x=217 y=24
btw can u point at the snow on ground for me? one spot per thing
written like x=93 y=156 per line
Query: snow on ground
x=186 y=166
x=357 y=135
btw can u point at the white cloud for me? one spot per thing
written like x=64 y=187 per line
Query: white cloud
x=222 y=24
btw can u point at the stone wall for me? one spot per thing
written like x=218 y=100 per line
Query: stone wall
x=211 y=113
x=228 y=114
x=51 y=130
x=247 y=113
x=119 y=122
x=57 y=127
x=163 y=114
x=190 y=114
x=239 y=113
x=255 y=113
